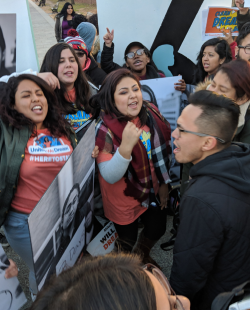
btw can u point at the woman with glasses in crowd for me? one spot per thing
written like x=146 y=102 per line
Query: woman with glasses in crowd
x=64 y=21
x=112 y=282
x=137 y=59
x=134 y=141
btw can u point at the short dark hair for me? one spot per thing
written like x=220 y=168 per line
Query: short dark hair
x=245 y=31
x=93 y=19
x=222 y=48
x=78 y=19
x=54 y=121
x=104 y=99
x=107 y=282
x=219 y=117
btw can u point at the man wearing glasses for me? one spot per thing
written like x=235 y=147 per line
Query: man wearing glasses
x=212 y=248
x=137 y=59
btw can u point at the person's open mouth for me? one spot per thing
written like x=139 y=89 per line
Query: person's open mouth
x=137 y=62
x=133 y=105
x=37 y=109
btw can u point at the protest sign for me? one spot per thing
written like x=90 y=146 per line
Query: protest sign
x=104 y=242
x=26 y=56
x=7 y=44
x=61 y=224
x=11 y=294
x=173 y=27
x=162 y=93
x=219 y=19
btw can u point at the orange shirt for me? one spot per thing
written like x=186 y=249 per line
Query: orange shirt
x=42 y=162
x=119 y=208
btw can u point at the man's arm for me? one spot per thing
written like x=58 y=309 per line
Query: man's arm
x=107 y=63
x=243 y=15
x=198 y=241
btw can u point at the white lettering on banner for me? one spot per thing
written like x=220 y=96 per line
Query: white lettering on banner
x=49 y=150
x=49 y=158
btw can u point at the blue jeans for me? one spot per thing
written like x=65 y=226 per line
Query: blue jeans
x=17 y=233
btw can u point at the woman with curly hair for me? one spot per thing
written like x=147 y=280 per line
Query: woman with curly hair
x=29 y=112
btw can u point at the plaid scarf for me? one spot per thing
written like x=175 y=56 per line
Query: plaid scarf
x=138 y=176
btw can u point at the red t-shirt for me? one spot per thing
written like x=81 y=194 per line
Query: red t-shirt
x=42 y=162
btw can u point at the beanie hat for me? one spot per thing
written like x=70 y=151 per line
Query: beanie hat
x=87 y=32
x=75 y=41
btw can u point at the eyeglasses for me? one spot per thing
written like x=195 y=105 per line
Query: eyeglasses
x=201 y=135
x=139 y=52
x=246 y=48
x=174 y=302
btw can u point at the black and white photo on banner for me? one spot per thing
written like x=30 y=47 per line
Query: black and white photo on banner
x=61 y=224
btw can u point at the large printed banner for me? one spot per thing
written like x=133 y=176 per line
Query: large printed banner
x=170 y=29
x=24 y=46
x=219 y=19
x=11 y=294
x=61 y=224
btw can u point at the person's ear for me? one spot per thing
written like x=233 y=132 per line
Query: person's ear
x=209 y=144
x=222 y=60
x=242 y=100
x=236 y=50
x=148 y=59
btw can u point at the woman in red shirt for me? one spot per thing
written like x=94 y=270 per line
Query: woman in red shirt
x=29 y=112
x=134 y=142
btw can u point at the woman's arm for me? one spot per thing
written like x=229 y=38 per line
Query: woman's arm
x=113 y=170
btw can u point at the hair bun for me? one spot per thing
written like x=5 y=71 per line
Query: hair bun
x=72 y=33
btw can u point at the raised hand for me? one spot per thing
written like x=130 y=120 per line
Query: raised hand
x=243 y=11
x=228 y=36
x=130 y=137
x=109 y=37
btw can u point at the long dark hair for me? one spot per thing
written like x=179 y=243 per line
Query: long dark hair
x=238 y=72
x=107 y=282
x=222 y=48
x=104 y=99
x=54 y=122
x=64 y=11
x=50 y=64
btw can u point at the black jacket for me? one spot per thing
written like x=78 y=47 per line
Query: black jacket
x=212 y=248
x=108 y=65
x=95 y=74
x=242 y=19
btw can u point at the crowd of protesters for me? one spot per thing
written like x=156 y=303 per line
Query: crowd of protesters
x=76 y=83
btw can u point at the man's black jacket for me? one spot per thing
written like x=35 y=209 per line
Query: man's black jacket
x=212 y=248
